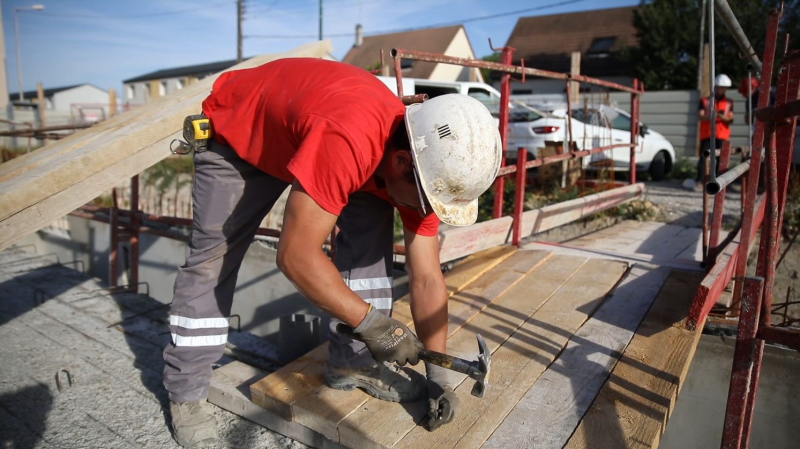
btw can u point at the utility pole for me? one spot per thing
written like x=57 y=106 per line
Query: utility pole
x=320 y=19
x=239 y=19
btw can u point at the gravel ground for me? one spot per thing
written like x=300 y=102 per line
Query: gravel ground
x=684 y=207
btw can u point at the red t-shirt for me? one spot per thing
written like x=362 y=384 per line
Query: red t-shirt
x=323 y=123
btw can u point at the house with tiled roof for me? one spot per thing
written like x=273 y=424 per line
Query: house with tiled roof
x=452 y=41
x=143 y=88
x=547 y=42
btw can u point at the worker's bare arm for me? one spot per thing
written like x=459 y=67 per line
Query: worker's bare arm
x=428 y=290
x=306 y=226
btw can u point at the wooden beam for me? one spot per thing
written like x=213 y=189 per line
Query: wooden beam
x=528 y=351
x=119 y=143
x=281 y=389
x=633 y=407
x=549 y=412
x=458 y=242
x=112 y=102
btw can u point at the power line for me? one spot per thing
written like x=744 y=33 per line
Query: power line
x=435 y=25
x=125 y=16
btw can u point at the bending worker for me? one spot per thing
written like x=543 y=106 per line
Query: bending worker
x=352 y=153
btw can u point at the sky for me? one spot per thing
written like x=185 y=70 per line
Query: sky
x=103 y=42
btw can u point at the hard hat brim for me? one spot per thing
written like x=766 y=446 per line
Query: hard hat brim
x=455 y=215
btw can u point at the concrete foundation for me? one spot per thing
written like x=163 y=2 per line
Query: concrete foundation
x=699 y=412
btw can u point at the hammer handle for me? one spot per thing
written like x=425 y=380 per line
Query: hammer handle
x=447 y=361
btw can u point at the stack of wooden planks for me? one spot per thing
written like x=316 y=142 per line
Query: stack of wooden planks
x=556 y=335
x=46 y=184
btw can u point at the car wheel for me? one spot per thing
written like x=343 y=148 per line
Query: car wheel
x=658 y=167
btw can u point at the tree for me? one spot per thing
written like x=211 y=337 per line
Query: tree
x=487 y=73
x=668 y=33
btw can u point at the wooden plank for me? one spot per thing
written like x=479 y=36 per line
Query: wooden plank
x=278 y=391
x=385 y=425
x=558 y=248
x=555 y=215
x=230 y=390
x=20 y=194
x=526 y=354
x=634 y=405
x=549 y=412
x=324 y=408
x=458 y=242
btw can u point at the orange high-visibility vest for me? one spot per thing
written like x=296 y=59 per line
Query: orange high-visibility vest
x=723 y=129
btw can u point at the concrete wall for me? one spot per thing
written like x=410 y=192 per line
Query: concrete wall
x=263 y=294
x=699 y=413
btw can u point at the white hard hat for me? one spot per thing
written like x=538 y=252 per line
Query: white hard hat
x=722 y=80
x=456 y=148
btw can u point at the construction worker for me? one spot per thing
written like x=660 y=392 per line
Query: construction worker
x=724 y=118
x=352 y=153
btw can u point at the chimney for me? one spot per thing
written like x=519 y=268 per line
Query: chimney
x=359 y=35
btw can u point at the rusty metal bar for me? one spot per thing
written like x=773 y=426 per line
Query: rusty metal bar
x=31 y=132
x=519 y=200
x=398 y=74
x=414 y=99
x=778 y=113
x=719 y=204
x=781 y=335
x=756 y=153
x=507 y=170
x=744 y=363
x=505 y=98
x=113 y=253
x=134 y=237
x=399 y=53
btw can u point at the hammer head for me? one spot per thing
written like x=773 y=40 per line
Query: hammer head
x=481 y=375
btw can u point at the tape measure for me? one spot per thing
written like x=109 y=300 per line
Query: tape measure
x=196 y=135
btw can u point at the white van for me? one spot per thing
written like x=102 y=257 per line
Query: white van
x=482 y=92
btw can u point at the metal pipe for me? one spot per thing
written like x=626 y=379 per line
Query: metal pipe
x=779 y=112
x=730 y=21
x=724 y=180
x=712 y=99
x=398 y=53
x=414 y=99
x=700 y=50
x=719 y=205
x=398 y=74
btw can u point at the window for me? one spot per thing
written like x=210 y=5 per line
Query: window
x=162 y=88
x=129 y=92
x=621 y=122
x=435 y=91
x=492 y=102
x=180 y=83
x=406 y=64
x=601 y=47
x=146 y=91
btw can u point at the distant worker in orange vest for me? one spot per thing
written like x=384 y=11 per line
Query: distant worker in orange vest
x=724 y=107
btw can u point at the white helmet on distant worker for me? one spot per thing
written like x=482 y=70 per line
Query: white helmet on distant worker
x=456 y=148
x=722 y=80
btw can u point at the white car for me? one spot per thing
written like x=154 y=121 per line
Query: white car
x=597 y=127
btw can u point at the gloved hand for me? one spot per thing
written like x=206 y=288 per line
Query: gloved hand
x=442 y=400
x=386 y=338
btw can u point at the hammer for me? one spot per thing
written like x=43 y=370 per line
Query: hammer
x=478 y=370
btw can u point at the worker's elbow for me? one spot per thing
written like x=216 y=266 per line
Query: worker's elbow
x=285 y=261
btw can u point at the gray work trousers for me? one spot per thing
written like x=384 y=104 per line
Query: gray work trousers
x=231 y=198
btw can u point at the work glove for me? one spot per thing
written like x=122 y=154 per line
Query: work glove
x=442 y=400
x=386 y=338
